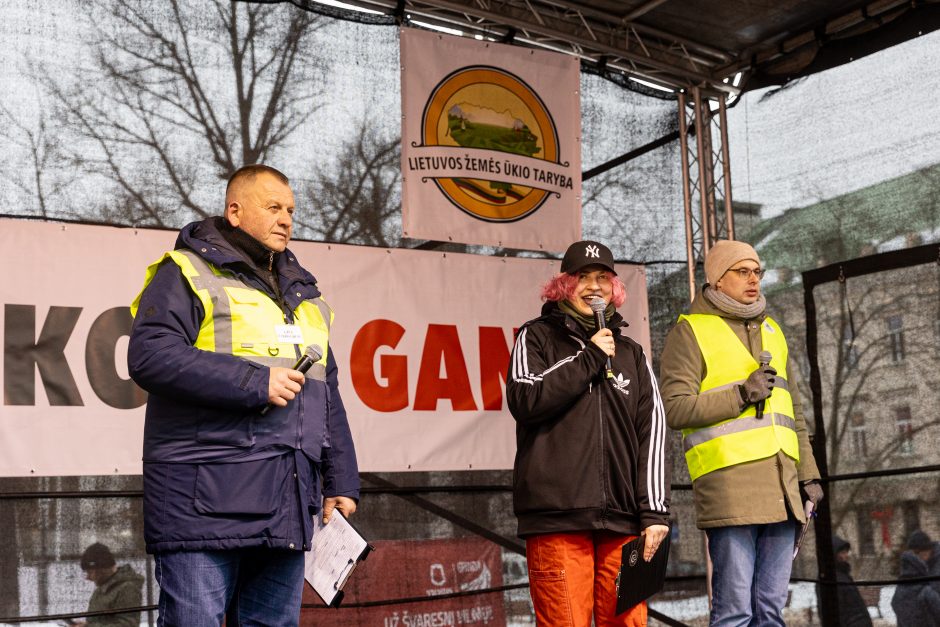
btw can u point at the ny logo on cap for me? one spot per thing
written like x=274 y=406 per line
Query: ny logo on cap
x=592 y=251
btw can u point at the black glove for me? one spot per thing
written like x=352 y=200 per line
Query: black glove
x=813 y=491
x=759 y=385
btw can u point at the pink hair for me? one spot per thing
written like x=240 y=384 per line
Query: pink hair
x=563 y=285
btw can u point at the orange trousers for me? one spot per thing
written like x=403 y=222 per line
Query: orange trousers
x=572 y=577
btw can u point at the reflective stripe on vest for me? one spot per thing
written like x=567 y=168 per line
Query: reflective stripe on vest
x=240 y=320
x=743 y=438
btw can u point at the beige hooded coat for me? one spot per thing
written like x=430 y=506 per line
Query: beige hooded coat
x=757 y=492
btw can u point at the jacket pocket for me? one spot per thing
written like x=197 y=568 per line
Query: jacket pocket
x=551 y=597
x=246 y=488
x=253 y=316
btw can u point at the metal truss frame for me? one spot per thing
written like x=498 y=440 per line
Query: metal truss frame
x=623 y=43
x=704 y=77
x=620 y=44
x=706 y=175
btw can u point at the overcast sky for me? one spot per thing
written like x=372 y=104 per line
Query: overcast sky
x=850 y=127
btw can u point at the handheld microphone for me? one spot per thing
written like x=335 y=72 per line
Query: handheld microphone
x=598 y=306
x=764 y=358
x=312 y=355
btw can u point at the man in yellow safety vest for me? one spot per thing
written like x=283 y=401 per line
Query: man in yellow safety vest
x=727 y=385
x=244 y=441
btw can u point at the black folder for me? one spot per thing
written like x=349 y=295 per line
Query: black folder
x=638 y=580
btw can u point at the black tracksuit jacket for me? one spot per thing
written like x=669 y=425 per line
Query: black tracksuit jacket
x=590 y=450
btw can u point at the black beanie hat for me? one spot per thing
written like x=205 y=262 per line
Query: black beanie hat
x=97 y=556
x=919 y=541
x=840 y=544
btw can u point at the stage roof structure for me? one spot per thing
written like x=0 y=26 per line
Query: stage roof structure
x=725 y=46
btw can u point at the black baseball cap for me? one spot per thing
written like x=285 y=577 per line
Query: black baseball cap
x=587 y=253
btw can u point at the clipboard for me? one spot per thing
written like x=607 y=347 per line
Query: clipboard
x=809 y=508
x=638 y=579
x=337 y=549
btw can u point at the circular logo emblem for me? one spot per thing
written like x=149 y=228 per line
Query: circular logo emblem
x=488 y=108
x=634 y=557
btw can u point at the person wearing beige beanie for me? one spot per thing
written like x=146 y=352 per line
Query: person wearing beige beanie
x=727 y=385
x=724 y=254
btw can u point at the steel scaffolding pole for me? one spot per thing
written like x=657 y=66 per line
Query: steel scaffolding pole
x=687 y=192
x=706 y=175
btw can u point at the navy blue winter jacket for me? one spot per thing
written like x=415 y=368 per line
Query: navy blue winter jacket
x=217 y=474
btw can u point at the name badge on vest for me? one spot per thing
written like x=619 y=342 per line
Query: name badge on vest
x=289 y=334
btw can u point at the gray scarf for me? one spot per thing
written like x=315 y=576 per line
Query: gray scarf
x=732 y=307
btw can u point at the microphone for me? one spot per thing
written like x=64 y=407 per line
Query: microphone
x=764 y=358
x=312 y=355
x=598 y=306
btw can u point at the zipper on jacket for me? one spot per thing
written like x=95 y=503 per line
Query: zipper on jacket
x=276 y=284
x=603 y=455
x=327 y=441
x=289 y=319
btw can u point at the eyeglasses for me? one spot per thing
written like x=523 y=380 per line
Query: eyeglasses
x=745 y=273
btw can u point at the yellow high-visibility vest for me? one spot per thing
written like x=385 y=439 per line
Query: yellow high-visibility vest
x=743 y=438
x=242 y=321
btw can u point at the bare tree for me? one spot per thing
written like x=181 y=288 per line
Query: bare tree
x=45 y=178
x=859 y=363
x=178 y=94
x=358 y=201
x=603 y=199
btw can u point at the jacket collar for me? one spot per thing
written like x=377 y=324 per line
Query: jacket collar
x=205 y=239
x=553 y=313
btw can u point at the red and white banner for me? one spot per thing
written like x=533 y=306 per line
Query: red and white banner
x=490 y=143
x=422 y=342
x=408 y=569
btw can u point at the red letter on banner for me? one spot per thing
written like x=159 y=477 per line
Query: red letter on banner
x=494 y=366
x=393 y=368
x=442 y=341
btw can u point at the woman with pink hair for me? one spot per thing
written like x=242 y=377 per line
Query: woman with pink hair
x=591 y=471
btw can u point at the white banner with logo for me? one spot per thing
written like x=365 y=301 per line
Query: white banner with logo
x=490 y=143
x=422 y=342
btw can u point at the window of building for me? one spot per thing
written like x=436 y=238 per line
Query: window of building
x=896 y=338
x=902 y=416
x=866 y=532
x=859 y=433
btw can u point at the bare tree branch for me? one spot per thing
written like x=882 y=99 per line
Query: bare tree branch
x=359 y=202
x=48 y=175
x=174 y=94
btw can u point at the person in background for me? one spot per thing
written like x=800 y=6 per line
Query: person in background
x=852 y=609
x=115 y=588
x=591 y=470
x=728 y=384
x=241 y=451
x=918 y=604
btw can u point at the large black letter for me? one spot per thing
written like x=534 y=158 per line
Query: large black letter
x=22 y=354
x=99 y=360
